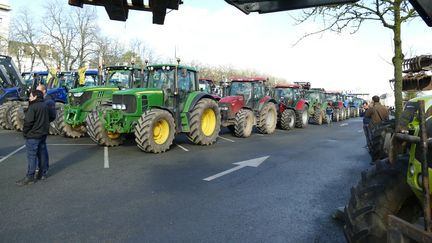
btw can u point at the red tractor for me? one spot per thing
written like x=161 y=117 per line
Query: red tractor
x=247 y=105
x=335 y=98
x=292 y=107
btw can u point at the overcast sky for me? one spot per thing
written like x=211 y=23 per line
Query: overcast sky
x=214 y=32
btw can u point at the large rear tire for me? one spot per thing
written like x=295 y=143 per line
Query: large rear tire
x=318 y=117
x=336 y=114
x=97 y=132
x=55 y=128
x=382 y=191
x=267 y=119
x=17 y=115
x=244 y=122
x=205 y=122
x=287 y=120
x=302 y=117
x=155 y=131
x=379 y=140
x=5 y=110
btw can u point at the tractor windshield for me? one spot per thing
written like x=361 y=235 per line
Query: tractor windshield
x=67 y=80
x=332 y=97
x=28 y=78
x=161 y=79
x=283 y=93
x=91 y=80
x=312 y=96
x=205 y=86
x=119 y=78
x=241 y=88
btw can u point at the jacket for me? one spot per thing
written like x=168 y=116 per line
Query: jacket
x=376 y=113
x=51 y=107
x=36 y=121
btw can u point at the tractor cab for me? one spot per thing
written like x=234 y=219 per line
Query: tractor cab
x=287 y=94
x=124 y=77
x=247 y=90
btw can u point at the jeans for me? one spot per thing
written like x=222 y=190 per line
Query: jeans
x=329 y=118
x=37 y=156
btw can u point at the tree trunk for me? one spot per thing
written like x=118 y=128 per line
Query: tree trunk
x=397 y=59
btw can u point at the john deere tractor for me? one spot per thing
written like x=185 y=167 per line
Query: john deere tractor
x=317 y=105
x=292 y=106
x=392 y=196
x=171 y=103
x=248 y=105
x=93 y=93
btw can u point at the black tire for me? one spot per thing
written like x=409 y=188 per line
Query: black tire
x=205 y=122
x=287 y=120
x=244 y=122
x=66 y=129
x=55 y=128
x=147 y=131
x=302 y=117
x=318 y=117
x=5 y=111
x=267 y=119
x=377 y=143
x=335 y=116
x=97 y=132
x=382 y=191
x=17 y=115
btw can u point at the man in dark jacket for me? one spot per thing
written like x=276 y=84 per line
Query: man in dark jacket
x=376 y=113
x=35 y=131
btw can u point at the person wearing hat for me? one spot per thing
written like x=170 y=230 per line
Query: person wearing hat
x=376 y=113
x=35 y=131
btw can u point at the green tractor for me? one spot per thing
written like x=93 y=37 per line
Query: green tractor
x=392 y=196
x=292 y=107
x=317 y=105
x=170 y=103
x=335 y=99
x=83 y=100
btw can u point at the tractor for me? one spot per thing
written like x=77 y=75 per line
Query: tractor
x=335 y=99
x=247 y=105
x=208 y=86
x=93 y=93
x=317 y=105
x=354 y=103
x=170 y=103
x=292 y=107
x=394 y=194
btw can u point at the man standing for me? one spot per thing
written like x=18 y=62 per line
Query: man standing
x=376 y=113
x=35 y=131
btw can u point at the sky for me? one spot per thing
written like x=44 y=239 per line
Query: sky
x=216 y=33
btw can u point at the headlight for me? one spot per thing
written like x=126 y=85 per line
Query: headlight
x=114 y=106
x=412 y=170
x=123 y=106
x=224 y=108
x=70 y=94
x=78 y=94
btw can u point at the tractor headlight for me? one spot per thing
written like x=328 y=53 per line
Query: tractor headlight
x=223 y=108
x=123 y=107
x=114 y=106
x=119 y=106
x=412 y=169
x=78 y=94
x=70 y=94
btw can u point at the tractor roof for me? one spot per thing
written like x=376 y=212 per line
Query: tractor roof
x=91 y=72
x=171 y=66
x=293 y=86
x=206 y=79
x=120 y=68
x=41 y=72
x=254 y=79
x=333 y=92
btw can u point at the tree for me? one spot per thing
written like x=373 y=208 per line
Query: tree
x=390 y=13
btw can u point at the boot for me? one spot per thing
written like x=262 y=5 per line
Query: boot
x=26 y=181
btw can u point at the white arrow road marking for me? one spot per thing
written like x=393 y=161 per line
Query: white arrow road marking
x=343 y=124
x=252 y=163
x=227 y=139
x=185 y=149
x=14 y=152
x=106 y=159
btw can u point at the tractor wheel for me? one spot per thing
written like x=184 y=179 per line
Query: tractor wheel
x=5 y=115
x=342 y=114
x=55 y=128
x=68 y=130
x=380 y=136
x=382 y=191
x=267 y=119
x=155 y=131
x=205 y=122
x=318 y=117
x=287 y=120
x=17 y=115
x=302 y=117
x=98 y=134
x=244 y=122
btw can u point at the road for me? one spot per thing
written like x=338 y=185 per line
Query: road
x=124 y=195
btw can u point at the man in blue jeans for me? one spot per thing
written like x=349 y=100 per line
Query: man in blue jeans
x=35 y=131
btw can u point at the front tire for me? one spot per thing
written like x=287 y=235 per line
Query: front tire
x=318 y=117
x=98 y=134
x=55 y=128
x=17 y=116
x=302 y=117
x=382 y=191
x=267 y=119
x=5 y=109
x=155 y=131
x=66 y=129
x=244 y=122
x=205 y=122
x=287 y=121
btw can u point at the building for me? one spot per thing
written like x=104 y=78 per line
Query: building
x=4 y=26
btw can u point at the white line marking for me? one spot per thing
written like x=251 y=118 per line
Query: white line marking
x=259 y=134
x=14 y=152
x=185 y=149
x=343 y=124
x=71 y=144
x=232 y=141
x=360 y=130
x=106 y=159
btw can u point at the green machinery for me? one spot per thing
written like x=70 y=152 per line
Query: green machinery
x=170 y=103
x=317 y=105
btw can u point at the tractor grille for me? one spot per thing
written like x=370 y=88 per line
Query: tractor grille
x=128 y=100
x=80 y=100
x=144 y=103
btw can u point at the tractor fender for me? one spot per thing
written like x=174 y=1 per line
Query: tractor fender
x=301 y=105
x=265 y=100
x=193 y=99
x=340 y=104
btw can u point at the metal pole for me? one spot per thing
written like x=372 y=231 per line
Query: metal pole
x=425 y=169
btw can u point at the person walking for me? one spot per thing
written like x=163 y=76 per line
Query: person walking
x=329 y=113
x=35 y=131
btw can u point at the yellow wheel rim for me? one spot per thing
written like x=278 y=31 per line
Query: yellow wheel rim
x=161 y=131
x=113 y=135
x=208 y=122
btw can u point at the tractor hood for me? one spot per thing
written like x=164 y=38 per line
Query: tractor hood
x=232 y=103
x=94 y=88
x=139 y=91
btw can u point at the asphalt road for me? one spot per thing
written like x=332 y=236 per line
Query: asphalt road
x=121 y=194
